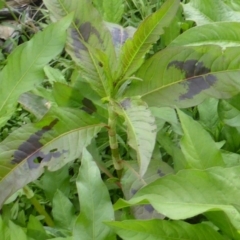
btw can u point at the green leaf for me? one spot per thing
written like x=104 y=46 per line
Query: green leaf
x=54 y=75
x=35 y=229
x=224 y=34
x=59 y=181
x=95 y=203
x=173 y=150
x=17 y=232
x=223 y=223
x=185 y=76
x=229 y=111
x=164 y=230
x=169 y=115
x=134 y=50
x=89 y=42
x=131 y=182
x=192 y=192
x=141 y=129
x=233 y=4
x=232 y=137
x=199 y=148
x=4 y=230
x=56 y=140
x=201 y=12
x=113 y=10
x=28 y=61
x=62 y=211
x=208 y=114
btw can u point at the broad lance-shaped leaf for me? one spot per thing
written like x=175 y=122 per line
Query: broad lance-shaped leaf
x=134 y=50
x=192 y=192
x=185 y=76
x=57 y=139
x=201 y=11
x=141 y=129
x=24 y=67
x=95 y=203
x=197 y=145
x=224 y=34
x=89 y=42
x=164 y=230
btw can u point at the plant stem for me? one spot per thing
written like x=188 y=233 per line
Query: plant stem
x=30 y=195
x=117 y=161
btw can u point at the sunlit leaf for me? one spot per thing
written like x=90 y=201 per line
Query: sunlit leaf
x=192 y=192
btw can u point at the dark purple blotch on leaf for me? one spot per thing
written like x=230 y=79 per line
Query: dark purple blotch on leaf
x=88 y=106
x=160 y=173
x=30 y=148
x=198 y=77
x=38 y=157
x=126 y=103
x=149 y=208
x=83 y=34
x=119 y=36
x=133 y=191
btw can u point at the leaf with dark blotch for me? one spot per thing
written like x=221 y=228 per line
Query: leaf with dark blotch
x=88 y=40
x=211 y=189
x=31 y=146
x=131 y=183
x=88 y=106
x=185 y=76
x=119 y=35
x=68 y=96
x=57 y=139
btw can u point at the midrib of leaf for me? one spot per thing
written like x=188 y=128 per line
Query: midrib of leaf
x=20 y=80
x=49 y=143
x=90 y=54
x=140 y=46
x=186 y=79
